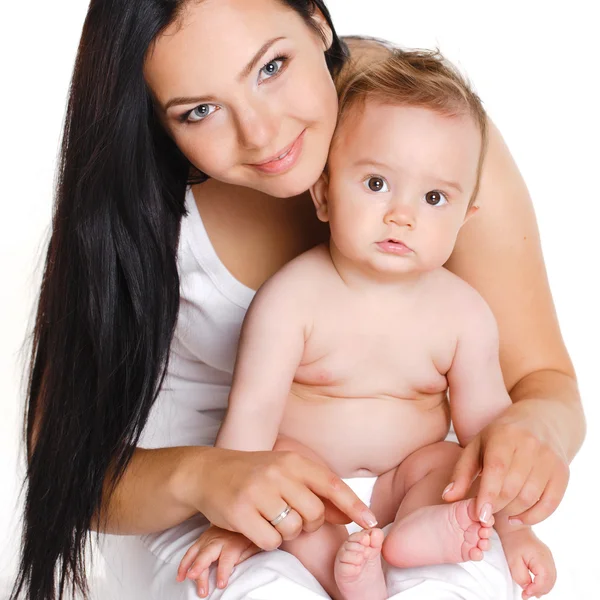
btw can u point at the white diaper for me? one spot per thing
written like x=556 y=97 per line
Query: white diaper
x=363 y=488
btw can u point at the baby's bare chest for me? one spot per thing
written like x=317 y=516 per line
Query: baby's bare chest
x=389 y=354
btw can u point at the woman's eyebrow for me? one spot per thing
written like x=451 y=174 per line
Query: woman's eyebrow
x=263 y=49
x=245 y=72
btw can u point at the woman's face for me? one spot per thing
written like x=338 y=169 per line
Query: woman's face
x=244 y=91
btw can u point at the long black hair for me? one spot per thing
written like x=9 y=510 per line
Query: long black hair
x=110 y=291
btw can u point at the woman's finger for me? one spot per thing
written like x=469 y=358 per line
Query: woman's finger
x=251 y=523
x=549 y=499
x=326 y=484
x=309 y=507
x=518 y=473
x=465 y=471
x=291 y=526
x=497 y=458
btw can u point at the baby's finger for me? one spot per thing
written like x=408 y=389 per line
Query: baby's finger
x=247 y=553
x=520 y=573
x=202 y=584
x=226 y=563
x=544 y=571
x=187 y=560
x=204 y=559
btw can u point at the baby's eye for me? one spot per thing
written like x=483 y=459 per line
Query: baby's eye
x=376 y=184
x=200 y=112
x=272 y=68
x=435 y=198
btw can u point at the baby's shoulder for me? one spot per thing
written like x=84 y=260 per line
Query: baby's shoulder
x=299 y=282
x=459 y=297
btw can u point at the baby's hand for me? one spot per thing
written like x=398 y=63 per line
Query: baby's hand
x=525 y=553
x=215 y=544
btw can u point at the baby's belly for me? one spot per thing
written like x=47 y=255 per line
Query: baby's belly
x=360 y=437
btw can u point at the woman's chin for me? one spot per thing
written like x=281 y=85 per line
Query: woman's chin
x=298 y=181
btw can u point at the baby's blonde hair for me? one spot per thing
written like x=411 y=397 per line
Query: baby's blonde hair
x=419 y=78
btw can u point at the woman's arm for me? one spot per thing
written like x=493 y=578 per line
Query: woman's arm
x=499 y=253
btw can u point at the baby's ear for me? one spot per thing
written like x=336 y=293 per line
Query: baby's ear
x=319 y=193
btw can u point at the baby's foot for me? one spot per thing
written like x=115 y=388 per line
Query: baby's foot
x=357 y=568
x=446 y=533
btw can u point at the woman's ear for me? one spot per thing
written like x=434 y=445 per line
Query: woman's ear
x=470 y=212
x=324 y=28
x=319 y=193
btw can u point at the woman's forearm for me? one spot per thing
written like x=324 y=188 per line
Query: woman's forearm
x=155 y=492
x=552 y=399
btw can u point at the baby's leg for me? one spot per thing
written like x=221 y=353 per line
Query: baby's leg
x=347 y=567
x=426 y=530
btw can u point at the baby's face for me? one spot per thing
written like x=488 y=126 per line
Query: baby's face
x=400 y=181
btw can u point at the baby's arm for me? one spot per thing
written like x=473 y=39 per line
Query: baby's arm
x=476 y=386
x=477 y=396
x=270 y=349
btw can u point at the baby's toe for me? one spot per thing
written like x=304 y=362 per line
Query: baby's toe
x=484 y=545
x=475 y=554
x=377 y=537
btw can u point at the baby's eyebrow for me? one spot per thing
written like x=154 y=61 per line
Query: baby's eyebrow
x=366 y=162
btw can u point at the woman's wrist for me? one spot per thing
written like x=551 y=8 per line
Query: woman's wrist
x=550 y=401
x=187 y=482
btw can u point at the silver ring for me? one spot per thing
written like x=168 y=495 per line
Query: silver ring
x=281 y=516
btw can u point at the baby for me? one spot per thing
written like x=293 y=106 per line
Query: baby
x=348 y=353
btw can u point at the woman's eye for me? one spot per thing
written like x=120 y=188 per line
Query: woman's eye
x=435 y=198
x=376 y=184
x=273 y=67
x=200 y=112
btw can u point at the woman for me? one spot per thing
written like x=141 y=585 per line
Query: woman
x=159 y=86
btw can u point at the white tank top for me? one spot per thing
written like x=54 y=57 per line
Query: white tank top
x=193 y=398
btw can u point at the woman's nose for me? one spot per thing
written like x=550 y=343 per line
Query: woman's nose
x=257 y=128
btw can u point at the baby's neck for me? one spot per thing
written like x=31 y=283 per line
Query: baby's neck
x=365 y=278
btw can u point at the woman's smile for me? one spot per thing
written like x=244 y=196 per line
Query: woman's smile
x=284 y=160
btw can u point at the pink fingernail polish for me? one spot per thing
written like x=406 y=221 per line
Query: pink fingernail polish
x=486 y=512
x=370 y=519
x=515 y=521
x=447 y=489
x=221 y=583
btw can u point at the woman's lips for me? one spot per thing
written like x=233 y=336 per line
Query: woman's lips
x=289 y=157
x=393 y=247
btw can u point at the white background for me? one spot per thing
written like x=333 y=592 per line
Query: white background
x=534 y=63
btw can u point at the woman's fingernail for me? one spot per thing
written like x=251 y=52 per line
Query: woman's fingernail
x=447 y=489
x=515 y=521
x=370 y=519
x=221 y=583
x=486 y=512
x=202 y=591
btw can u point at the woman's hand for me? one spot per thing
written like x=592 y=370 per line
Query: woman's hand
x=523 y=468
x=244 y=491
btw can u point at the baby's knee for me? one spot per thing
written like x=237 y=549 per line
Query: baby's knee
x=438 y=456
